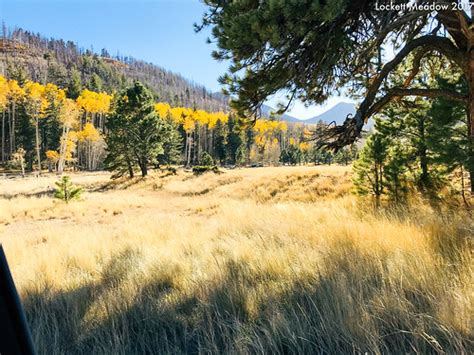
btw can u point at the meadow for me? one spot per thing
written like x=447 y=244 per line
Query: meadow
x=267 y=260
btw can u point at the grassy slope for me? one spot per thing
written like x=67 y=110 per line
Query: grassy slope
x=277 y=260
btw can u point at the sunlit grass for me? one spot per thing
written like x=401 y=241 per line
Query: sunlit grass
x=274 y=260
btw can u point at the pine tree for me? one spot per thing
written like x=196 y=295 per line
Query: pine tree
x=396 y=172
x=66 y=191
x=220 y=141
x=291 y=155
x=74 y=85
x=369 y=168
x=95 y=83
x=234 y=139
x=450 y=144
x=136 y=133
x=313 y=48
x=241 y=154
x=346 y=155
x=321 y=156
x=17 y=72
x=172 y=144
x=206 y=159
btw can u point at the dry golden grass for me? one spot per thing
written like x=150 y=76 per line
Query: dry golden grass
x=266 y=260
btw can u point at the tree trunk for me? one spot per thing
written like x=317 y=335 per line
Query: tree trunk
x=62 y=150
x=3 y=136
x=38 y=153
x=143 y=168
x=12 y=131
x=130 y=169
x=190 y=142
x=22 y=165
x=471 y=118
x=186 y=150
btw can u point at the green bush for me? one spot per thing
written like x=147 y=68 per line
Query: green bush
x=201 y=169
x=206 y=159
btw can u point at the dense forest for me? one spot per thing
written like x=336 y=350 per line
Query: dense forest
x=43 y=126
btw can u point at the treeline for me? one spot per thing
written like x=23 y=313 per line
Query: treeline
x=230 y=140
x=29 y=56
x=43 y=127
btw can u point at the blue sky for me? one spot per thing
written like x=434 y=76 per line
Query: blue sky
x=158 y=31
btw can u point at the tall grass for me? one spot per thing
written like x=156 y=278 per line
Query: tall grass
x=238 y=263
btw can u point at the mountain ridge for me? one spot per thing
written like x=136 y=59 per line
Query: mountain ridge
x=58 y=61
x=337 y=113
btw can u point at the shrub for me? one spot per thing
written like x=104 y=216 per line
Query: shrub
x=201 y=169
x=206 y=159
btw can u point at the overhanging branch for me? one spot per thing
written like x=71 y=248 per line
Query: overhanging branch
x=338 y=136
x=402 y=92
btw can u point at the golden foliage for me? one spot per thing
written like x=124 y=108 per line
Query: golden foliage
x=69 y=112
x=94 y=102
x=52 y=155
x=15 y=91
x=88 y=133
x=188 y=118
x=37 y=99
x=4 y=89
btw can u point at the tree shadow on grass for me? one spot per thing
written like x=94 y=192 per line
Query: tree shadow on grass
x=43 y=193
x=122 y=183
x=349 y=306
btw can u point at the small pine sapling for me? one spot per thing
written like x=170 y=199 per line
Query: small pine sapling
x=66 y=190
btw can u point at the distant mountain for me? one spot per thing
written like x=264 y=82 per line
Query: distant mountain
x=338 y=113
x=267 y=112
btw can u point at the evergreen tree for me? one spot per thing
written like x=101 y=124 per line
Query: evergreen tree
x=136 y=133
x=25 y=135
x=57 y=74
x=234 y=139
x=17 y=72
x=320 y=155
x=74 y=85
x=95 y=83
x=241 y=154
x=291 y=155
x=172 y=144
x=249 y=141
x=450 y=144
x=312 y=48
x=369 y=168
x=346 y=155
x=66 y=191
x=220 y=141
x=395 y=172
x=410 y=123
x=206 y=159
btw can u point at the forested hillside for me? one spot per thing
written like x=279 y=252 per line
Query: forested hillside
x=25 y=55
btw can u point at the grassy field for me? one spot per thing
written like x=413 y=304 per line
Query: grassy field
x=266 y=260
